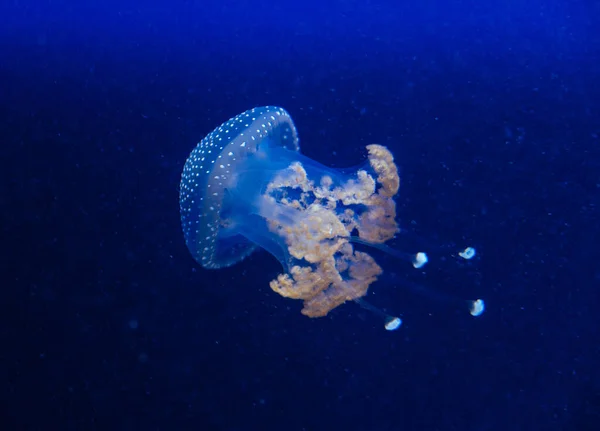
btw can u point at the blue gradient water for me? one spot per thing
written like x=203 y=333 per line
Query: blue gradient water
x=492 y=114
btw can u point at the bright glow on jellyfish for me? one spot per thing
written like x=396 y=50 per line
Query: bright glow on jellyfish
x=420 y=260
x=392 y=323
x=468 y=253
x=477 y=307
x=246 y=185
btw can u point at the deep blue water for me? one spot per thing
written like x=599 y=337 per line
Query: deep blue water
x=493 y=114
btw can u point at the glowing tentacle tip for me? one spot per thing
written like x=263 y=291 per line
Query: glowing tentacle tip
x=420 y=260
x=477 y=307
x=468 y=253
x=392 y=323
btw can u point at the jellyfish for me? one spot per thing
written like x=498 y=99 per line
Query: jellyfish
x=247 y=186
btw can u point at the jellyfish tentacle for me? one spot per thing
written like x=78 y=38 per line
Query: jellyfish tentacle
x=418 y=260
x=390 y=323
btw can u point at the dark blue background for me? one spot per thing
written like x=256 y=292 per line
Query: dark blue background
x=493 y=114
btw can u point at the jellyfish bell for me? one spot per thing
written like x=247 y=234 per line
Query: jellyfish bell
x=211 y=170
x=246 y=186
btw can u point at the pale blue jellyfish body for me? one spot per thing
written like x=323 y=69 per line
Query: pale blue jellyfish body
x=208 y=174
